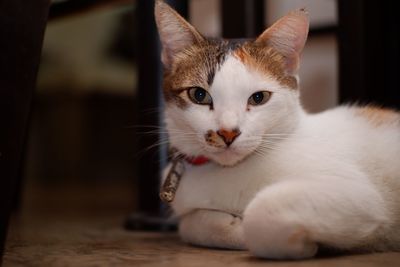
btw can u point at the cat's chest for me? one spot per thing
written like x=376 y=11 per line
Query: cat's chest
x=229 y=189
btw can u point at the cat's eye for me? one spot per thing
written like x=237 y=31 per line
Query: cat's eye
x=199 y=96
x=259 y=98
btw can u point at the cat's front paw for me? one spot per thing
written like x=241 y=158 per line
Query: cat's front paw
x=212 y=229
x=279 y=241
x=272 y=232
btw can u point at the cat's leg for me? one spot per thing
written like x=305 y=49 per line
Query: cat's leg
x=212 y=229
x=288 y=220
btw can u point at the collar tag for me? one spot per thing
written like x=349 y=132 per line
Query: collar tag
x=171 y=183
x=175 y=173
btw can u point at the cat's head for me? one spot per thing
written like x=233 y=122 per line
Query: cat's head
x=227 y=99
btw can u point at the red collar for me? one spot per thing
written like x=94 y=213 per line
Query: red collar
x=197 y=161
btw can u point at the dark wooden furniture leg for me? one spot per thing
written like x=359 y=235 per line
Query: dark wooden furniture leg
x=369 y=52
x=22 y=25
x=149 y=97
x=242 y=18
x=150 y=213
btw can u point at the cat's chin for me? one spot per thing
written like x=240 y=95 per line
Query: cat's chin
x=227 y=157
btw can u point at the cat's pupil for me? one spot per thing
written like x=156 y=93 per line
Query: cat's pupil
x=258 y=97
x=199 y=94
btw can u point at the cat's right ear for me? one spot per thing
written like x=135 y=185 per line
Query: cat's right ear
x=175 y=32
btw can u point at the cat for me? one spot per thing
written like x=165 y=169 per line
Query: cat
x=278 y=182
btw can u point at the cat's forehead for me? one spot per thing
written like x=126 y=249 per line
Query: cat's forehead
x=200 y=62
x=197 y=65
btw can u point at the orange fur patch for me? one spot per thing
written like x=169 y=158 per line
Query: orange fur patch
x=266 y=60
x=193 y=67
x=378 y=116
x=242 y=55
x=298 y=236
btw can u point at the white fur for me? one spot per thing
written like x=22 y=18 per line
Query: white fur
x=296 y=179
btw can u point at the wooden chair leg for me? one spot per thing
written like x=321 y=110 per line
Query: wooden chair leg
x=242 y=18
x=149 y=215
x=22 y=25
x=369 y=41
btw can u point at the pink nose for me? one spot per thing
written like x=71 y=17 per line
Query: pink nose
x=228 y=135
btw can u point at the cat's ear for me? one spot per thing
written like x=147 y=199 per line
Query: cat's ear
x=288 y=36
x=175 y=32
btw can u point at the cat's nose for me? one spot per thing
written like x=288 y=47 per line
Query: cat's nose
x=228 y=135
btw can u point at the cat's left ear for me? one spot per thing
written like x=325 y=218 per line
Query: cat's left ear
x=288 y=36
x=176 y=33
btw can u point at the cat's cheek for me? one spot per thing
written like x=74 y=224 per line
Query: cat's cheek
x=183 y=133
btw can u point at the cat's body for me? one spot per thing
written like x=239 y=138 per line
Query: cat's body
x=351 y=165
x=338 y=142
x=280 y=181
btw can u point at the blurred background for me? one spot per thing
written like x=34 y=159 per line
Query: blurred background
x=82 y=148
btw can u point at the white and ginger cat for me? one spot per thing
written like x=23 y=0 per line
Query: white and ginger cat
x=280 y=182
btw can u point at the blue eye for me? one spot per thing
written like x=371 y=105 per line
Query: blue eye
x=199 y=96
x=259 y=98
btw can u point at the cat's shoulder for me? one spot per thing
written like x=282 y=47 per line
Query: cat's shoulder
x=371 y=115
x=375 y=115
